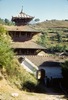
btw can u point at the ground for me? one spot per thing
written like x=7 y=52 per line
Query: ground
x=6 y=91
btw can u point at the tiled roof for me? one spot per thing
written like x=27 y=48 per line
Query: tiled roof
x=25 y=28
x=23 y=15
x=26 y=45
x=45 y=61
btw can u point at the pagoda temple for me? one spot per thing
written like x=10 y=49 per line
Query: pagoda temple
x=24 y=36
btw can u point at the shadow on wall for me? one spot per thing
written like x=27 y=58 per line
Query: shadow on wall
x=51 y=64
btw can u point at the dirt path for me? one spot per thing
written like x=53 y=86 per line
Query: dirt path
x=6 y=94
x=31 y=96
x=52 y=95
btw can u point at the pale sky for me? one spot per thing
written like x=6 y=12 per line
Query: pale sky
x=42 y=9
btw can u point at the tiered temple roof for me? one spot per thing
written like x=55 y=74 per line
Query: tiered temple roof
x=23 y=34
x=22 y=18
x=25 y=28
x=27 y=45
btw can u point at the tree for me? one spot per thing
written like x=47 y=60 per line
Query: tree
x=6 y=21
x=59 y=37
x=6 y=53
x=1 y=21
x=43 y=39
x=37 y=20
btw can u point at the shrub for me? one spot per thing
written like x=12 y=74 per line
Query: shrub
x=58 y=48
x=43 y=39
x=28 y=86
x=6 y=53
x=59 y=37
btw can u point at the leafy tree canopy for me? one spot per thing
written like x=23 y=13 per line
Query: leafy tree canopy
x=6 y=22
x=6 y=54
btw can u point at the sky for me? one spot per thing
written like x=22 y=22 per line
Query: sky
x=42 y=9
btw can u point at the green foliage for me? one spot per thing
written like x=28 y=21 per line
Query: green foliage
x=56 y=34
x=34 y=87
x=59 y=37
x=6 y=54
x=37 y=20
x=15 y=73
x=2 y=30
x=6 y=22
x=67 y=48
x=57 y=48
x=43 y=39
x=28 y=86
x=26 y=78
x=21 y=78
x=1 y=21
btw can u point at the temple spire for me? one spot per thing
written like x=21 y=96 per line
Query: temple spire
x=22 y=9
x=22 y=18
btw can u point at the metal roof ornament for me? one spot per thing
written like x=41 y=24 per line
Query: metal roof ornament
x=22 y=10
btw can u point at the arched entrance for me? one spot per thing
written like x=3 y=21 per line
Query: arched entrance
x=41 y=75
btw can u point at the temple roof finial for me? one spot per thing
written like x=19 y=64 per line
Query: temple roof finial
x=22 y=9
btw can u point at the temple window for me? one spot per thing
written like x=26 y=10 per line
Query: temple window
x=22 y=34
x=17 y=34
x=28 y=34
